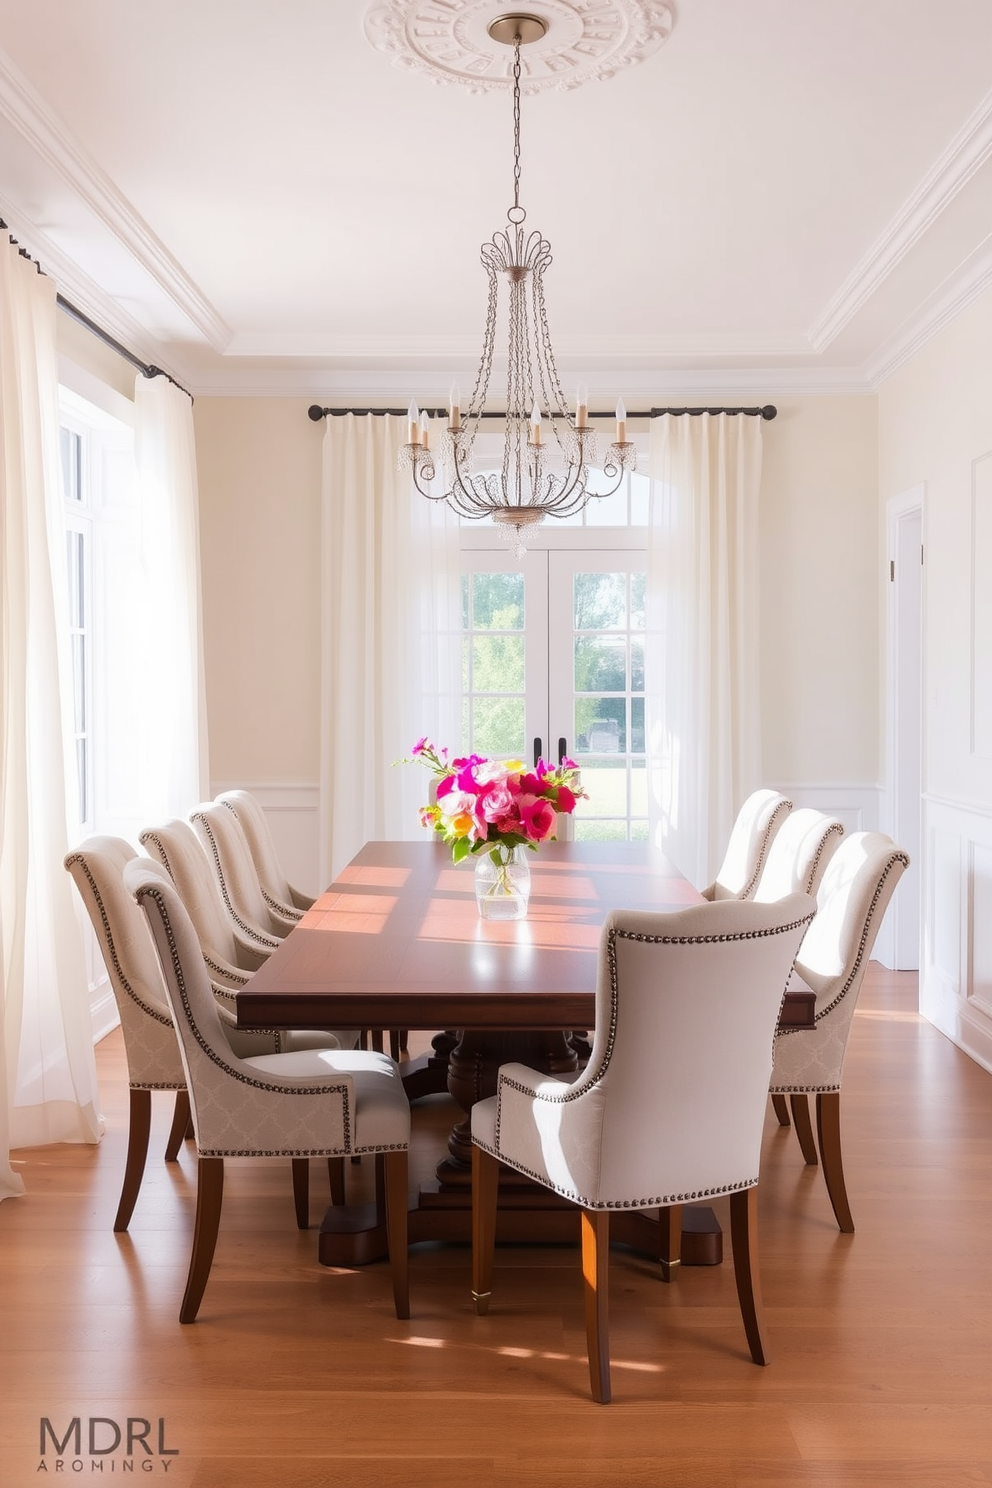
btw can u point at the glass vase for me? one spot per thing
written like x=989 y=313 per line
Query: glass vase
x=502 y=882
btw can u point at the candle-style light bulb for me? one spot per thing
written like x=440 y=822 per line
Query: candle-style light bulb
x=582 y=408
x=621 y=422
x=413 y=431
x=455 y=407
x=425 y=425
x=535 y=424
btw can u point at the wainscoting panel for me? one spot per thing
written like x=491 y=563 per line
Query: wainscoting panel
x=291 y=811
x=956 y=977
x=857 y=806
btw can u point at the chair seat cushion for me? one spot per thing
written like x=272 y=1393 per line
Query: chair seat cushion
x=382 y=1112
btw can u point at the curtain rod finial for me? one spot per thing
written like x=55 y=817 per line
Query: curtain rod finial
x=315 y=412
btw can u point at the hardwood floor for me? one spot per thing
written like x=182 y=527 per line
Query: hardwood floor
x=880 y=1342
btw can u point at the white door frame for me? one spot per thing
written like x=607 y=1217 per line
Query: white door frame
x=905 y=743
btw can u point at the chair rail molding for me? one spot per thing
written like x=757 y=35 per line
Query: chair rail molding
x=956 y=969
x=292 y=811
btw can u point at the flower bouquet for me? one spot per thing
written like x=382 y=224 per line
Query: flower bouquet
x=495 y=810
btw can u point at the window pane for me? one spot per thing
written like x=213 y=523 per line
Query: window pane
x=601 y=831
x=638 y=582
x=636 y=664
x=606 y=783
x=498 y=727
x=611 y=511
x=498 y=601
x=600 y=664
x=638 y=789
x=81 y=774
x=497 y=663
x=79 y=681
x=601 y=725
x=637 y=725
x=600 y=601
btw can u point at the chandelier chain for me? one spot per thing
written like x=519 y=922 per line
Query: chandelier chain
x=516 y=125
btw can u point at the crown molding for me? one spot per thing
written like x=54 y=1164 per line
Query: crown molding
x=970 y=280
x=27 y=111
x=371 y=388
x=351 y=349
x=968 y=151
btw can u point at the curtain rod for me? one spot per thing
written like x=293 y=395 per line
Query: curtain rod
x=767 y=412
x=145 y=368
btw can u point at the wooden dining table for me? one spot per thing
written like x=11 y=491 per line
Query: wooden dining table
x=396 y=942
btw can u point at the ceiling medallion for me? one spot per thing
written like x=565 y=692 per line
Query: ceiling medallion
x=449 y=41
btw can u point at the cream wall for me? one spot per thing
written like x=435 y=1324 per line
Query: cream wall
x=935 y=430
x=819 y=585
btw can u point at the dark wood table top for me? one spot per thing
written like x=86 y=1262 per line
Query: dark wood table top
x=397 y=942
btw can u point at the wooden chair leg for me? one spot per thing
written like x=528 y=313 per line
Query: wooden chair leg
x=828 y=1132
x=139 y=1125
x=804 y=1128
x=180 y=1126
x=335 y=1172
x=209 y=1198
x=744 y=1239
x=394 y=1043
x=670 y=1240
x=397 y=1205
x=301 y=1191
x=781 y=1108
x=485 y=1191
x=596 y=1279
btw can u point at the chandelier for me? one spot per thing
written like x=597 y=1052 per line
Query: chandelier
x=547 y=453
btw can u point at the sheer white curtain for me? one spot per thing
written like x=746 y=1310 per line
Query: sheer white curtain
x=49 y=1078
x=703 y=725
x=391 y=637
x=173 y=695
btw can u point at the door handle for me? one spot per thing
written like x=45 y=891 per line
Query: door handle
x=562 y=748
x=537 y=751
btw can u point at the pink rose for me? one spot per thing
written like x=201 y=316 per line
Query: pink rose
x=537 y=818
x=566 y=801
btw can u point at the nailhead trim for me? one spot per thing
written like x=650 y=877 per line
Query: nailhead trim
x=569 y=1093
x=783 y=808
x=897 y=857
x=254 y=932
x=811 y=875
x=256 y=1084
x=145 y=1007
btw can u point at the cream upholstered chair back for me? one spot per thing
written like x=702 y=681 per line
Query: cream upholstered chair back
x=175 y=845
x=798 y=855
x=757 y=822
x=670 y=1106
x=97 y=868
x=851 y=901
x=228 y=1116
x=279 y=893
x=227 y=851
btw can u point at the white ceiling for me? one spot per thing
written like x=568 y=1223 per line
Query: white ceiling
x=787 y=194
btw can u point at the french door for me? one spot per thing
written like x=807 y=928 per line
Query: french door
x=553 y=664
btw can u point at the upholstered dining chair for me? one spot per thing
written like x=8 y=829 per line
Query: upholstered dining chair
x=153 y=1062
x=228 y=853
x=851 y=901
x=279 y=893
x=798 y=855
x=150 y=1044
x=670 y=1106
x=333 y=1103
x=757 y=822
